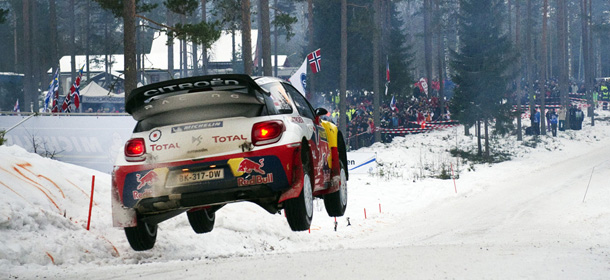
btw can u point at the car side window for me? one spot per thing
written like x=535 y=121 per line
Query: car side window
x=279 y=97
x=300 y=102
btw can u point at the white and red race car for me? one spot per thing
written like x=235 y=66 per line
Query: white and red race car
x=203 y=142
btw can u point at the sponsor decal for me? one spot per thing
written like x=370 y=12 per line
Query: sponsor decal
x=297 y=119
x=148 y=179
x=161 y=147
x=197 y=139
x=154 y=135
x=187 y=86
x=247 y=166
x=255 y=180
x=139 y=195
x=196 y=126
x=222 y=139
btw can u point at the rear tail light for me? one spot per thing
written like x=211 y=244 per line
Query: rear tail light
x=269 y=132
x=135 y=149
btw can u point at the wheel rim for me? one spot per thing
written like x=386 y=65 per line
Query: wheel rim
x=343 y=188
x=307 y=195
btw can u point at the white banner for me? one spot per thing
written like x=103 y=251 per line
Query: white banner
x=89 y=141
x=298 y=79
x=361 y=163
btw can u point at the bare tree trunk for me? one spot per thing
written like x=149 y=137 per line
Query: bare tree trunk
x=562 y=59
x=376 y=88
x=343 y=71
x=441 y=59
x=184 y=52
x=204 y=51
x=275 y=35
x=87 y=37
x=542 y=75
x=129 y=44
x=530 y=74
x=520 y=64
x=28 y=89
x=587 y=58
x=72 y=44
x=266 y=40
x=53 y=35
x=194 y=58
x=428 y=43
x=170 y=46
x=246 y=37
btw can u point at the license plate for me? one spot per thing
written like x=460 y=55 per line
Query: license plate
x=184 y=178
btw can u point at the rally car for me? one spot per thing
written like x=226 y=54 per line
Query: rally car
x=203 y=142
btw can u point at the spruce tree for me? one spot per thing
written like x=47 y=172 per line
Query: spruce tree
x=481 y=66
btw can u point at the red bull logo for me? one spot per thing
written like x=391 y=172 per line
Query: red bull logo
x=247 y=166
x=148 y=179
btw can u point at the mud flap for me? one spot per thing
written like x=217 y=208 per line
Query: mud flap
x=297 y=178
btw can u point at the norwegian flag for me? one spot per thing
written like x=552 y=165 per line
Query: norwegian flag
x=73 y=94
x=314 y=60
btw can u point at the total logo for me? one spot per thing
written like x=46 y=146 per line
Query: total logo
x=230 y=138
x=163 y=147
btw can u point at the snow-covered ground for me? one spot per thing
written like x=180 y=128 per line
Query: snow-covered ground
x=544 y=214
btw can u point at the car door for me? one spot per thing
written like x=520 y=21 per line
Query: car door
x=318 y=142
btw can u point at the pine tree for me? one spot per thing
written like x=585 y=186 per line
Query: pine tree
x=481 y=66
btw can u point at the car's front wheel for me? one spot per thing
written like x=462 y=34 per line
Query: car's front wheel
x=336 y=203
x=299 y=210
x=202 y=221
x=142 y=237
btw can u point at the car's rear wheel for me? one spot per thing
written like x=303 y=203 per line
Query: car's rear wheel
x=202 y=221
x=299 y=210
x=142 y=237
x=336 y=203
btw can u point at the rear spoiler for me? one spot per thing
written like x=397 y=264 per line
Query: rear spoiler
x=142 y=95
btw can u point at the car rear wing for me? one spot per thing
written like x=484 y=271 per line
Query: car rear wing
x=141 y=96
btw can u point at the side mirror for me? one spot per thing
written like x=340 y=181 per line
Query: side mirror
x=321 y=112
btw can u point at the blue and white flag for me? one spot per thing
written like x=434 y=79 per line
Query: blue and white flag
x=393 y=103
x=298 y=79
x=53 y=87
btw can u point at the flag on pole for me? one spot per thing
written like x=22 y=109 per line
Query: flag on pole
x=387 y=75
x=298 y=79
x=75 y=90
x=387 y=70
x=53 y=87
x=55 y=108
x=393 y=103
x=16 y=107
x=73 y=94
x=314 y=59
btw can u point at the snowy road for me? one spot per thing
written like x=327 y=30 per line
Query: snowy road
x=510 y=221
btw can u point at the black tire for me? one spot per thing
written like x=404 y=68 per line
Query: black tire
x=299 y=210
x=141 y=237
x=202 y=221
x=336 y=203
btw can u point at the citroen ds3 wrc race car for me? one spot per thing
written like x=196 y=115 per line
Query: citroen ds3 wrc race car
x=203 y=142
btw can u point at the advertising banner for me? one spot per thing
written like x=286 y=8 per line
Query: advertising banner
x=89 y=141
x=361 y=163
